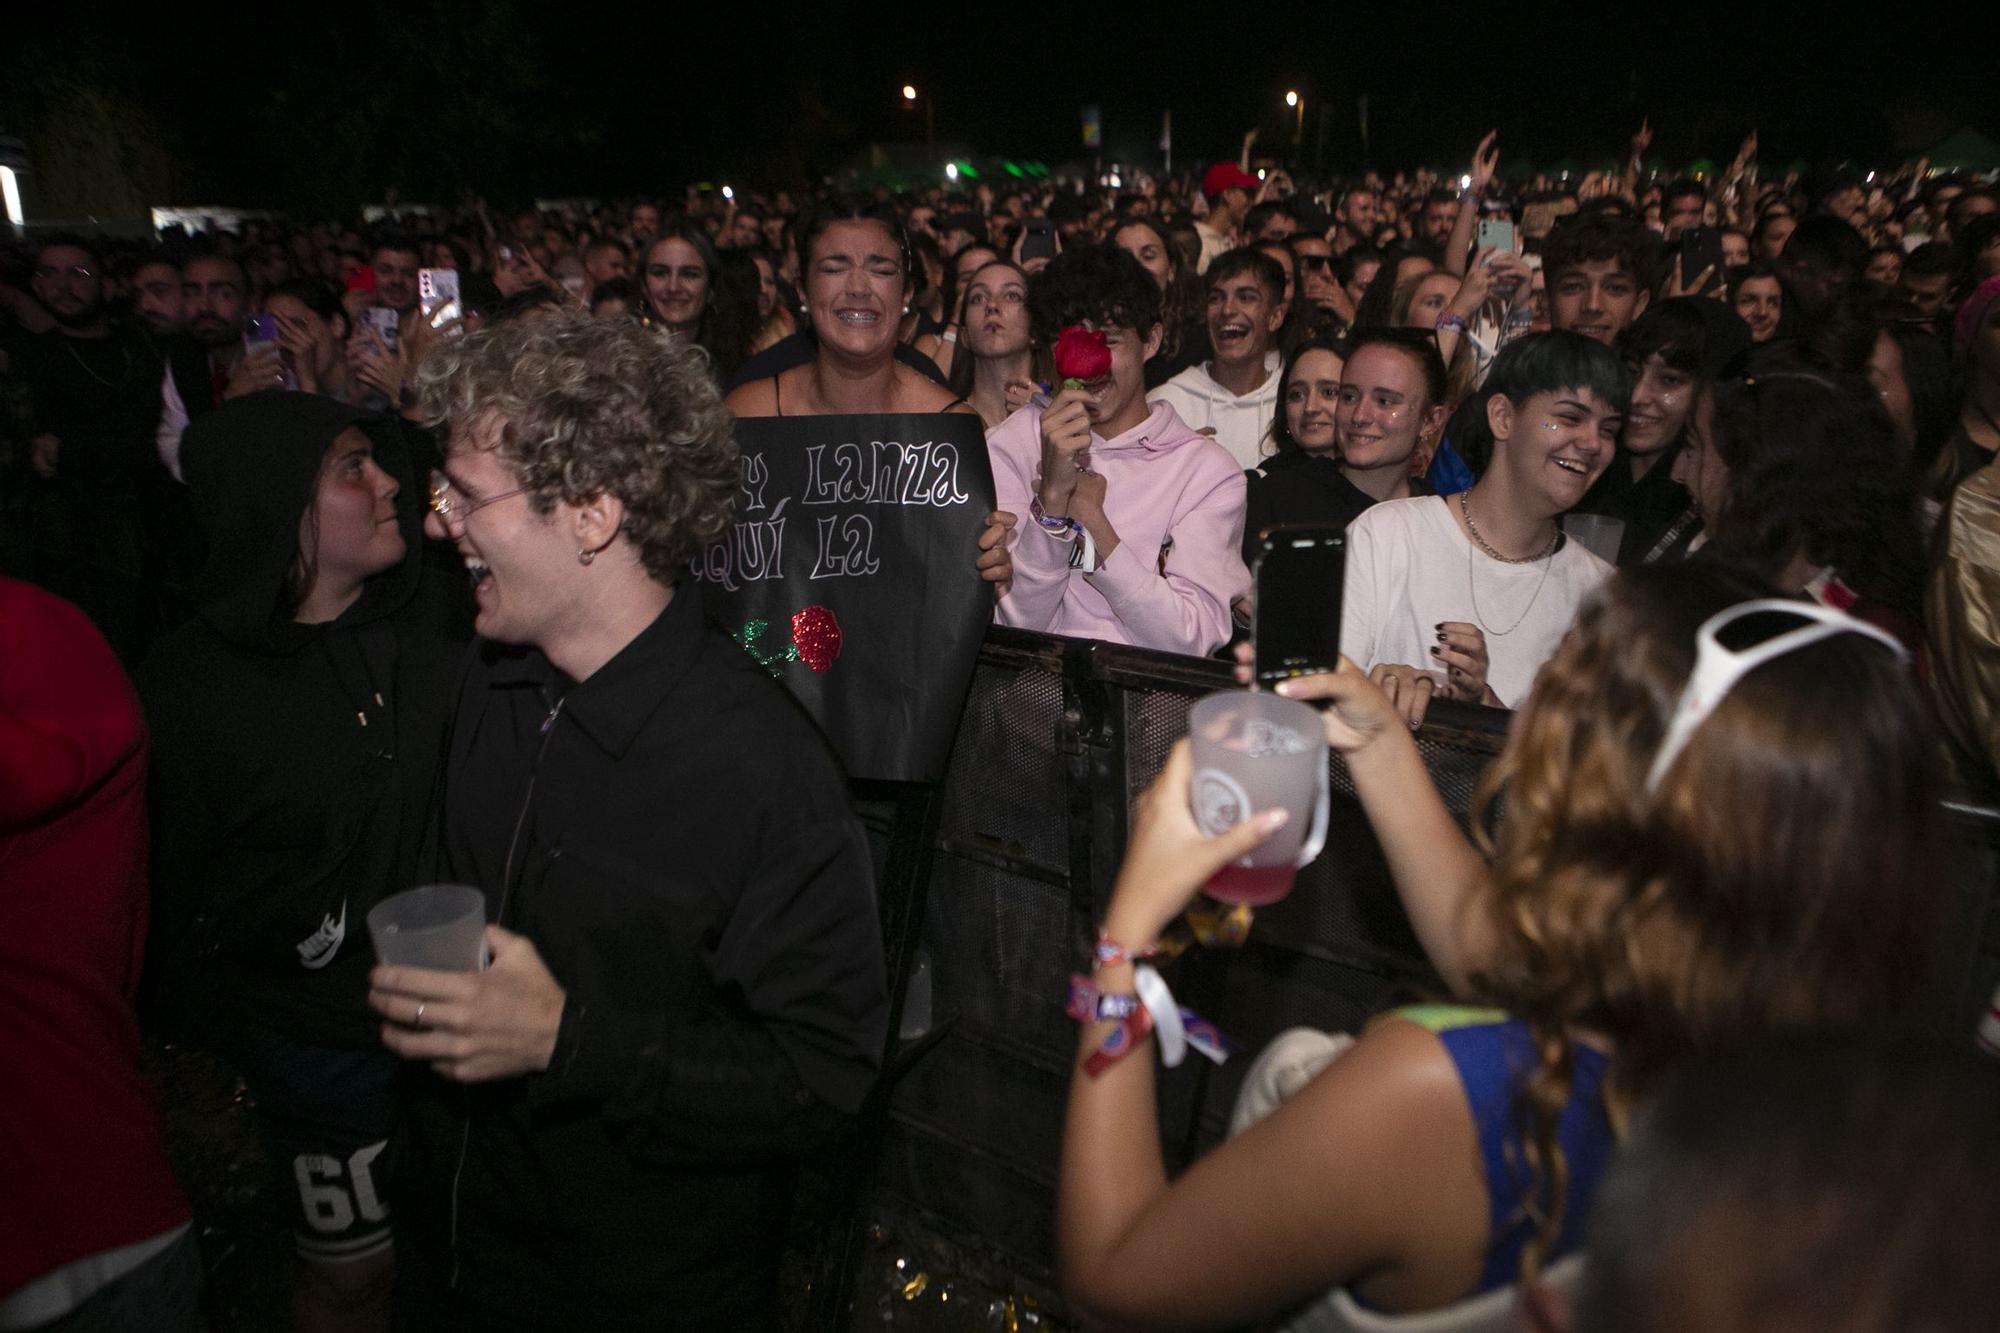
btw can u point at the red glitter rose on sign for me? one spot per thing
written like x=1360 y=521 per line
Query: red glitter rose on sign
x=1082 y=356
x=816 y=634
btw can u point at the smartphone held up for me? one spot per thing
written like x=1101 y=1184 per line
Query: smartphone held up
x=384 y=323
x=260 y=337
x=1298 y=574
x=437 y=301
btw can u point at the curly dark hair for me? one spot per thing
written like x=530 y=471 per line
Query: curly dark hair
x=1098 y=283
x=1589 y=238
x=588 y=406
x=1814 y=471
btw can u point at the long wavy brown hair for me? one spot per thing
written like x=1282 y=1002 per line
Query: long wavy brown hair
x=1788 y=871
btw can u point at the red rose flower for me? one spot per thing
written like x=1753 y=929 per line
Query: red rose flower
x=816 y=634
x=1082 y=356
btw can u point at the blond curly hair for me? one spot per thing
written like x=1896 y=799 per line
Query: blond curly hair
x=589 y=407
x=1789 y=871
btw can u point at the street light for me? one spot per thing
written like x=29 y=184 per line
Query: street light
x=930 y=120
x=1298 y=106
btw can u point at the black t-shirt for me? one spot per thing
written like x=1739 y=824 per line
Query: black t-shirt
x=101 y=398
x=1299 y=488
x=1647 y=507
x=798 y=348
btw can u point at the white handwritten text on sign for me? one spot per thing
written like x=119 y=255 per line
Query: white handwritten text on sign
x=882 y=472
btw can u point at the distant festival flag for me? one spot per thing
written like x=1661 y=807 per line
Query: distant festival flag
x=1167 y=130
x=1093 y=127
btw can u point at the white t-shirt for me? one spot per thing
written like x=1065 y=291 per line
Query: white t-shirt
x=1410 y=568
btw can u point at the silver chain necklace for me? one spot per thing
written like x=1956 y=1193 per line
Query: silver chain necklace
x=1466 y=509
x=124 y=368
x=1472 y=582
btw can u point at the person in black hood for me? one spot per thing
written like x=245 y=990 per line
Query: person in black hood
x=297 y=722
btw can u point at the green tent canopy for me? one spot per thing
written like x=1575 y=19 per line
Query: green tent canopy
x=1967 y=150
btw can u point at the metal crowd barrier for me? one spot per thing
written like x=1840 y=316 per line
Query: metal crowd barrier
x=1003 y=874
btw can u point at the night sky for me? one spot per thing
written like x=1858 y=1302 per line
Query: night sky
x=321 y=108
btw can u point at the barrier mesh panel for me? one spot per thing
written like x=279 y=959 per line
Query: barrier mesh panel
x=1006 y=791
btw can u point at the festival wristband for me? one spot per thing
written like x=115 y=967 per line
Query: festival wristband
x=1061 y=527
x=1159 y=1002
x=1083 y=555
x=1452 y=321
x=1178 y=1028
x=1110 y=953
x=1087 y=1004
x=1120 y=1042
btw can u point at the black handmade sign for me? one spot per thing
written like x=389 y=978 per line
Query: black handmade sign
x=849 y=575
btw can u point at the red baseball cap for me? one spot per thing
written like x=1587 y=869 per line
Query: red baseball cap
x=1226 y=176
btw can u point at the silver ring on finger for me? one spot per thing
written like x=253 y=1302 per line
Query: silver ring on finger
x=418 y=1021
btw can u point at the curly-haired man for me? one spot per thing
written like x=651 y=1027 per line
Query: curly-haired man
x=686 y=987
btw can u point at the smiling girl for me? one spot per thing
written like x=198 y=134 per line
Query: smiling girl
x=296 y=726
x=1466 y=596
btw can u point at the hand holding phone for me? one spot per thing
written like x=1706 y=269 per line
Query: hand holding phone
x=1701 y=253
x=437 y=300
x=1038 y=240
x=263 y=359
x=1494 y=234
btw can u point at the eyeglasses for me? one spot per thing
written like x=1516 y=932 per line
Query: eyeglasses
x=447 y=508
x=49 y=272
x=1314 y=261
x=1717 y=669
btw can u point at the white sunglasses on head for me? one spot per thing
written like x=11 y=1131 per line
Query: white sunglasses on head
x=1717 y=668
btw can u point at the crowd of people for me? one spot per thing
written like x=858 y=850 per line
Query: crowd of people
x=384 y=581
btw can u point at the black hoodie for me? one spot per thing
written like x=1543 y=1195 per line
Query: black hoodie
x=293 y=764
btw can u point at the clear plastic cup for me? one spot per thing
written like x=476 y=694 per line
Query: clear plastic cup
x=1255 y=751
x=441 y=926
x=1596 y=533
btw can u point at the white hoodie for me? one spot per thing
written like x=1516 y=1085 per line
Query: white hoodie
x=1242 y=425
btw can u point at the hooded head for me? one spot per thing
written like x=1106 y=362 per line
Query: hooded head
x=253 y=468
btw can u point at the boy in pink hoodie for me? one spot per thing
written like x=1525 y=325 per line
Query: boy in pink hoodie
x=1132 y=523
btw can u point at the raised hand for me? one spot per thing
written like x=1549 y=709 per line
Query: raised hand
x=1485 y=161
x=1168 y=858
x=262 y=368
x=1065 y=449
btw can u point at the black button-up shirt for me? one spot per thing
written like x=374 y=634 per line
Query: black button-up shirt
x=676 y=840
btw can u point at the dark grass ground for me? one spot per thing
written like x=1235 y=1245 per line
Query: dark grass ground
x=910 y=1277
